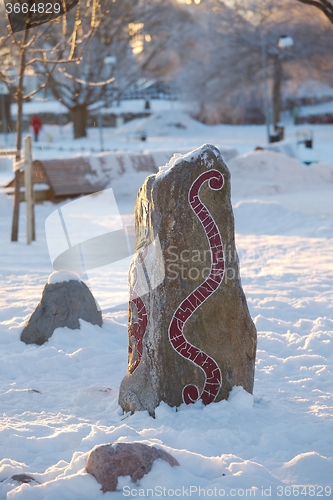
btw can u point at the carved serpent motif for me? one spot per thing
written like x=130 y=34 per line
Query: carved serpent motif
x=138 y=329
x=213 y=376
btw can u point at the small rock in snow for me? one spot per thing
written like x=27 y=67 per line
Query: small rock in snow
x=63 y=304
x=110 y=461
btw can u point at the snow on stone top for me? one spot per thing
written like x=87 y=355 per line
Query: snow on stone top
x=61 y=276
x=192 y=155
x=176 y=158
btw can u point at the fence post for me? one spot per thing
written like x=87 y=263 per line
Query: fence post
x=17 y=194
x=28 y=188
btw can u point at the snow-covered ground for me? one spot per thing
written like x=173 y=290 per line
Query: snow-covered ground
x=60 y=400
x=169 y=128
x=40 y=105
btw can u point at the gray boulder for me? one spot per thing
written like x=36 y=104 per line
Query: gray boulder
x=62 y=304
x=110 y=461
x=191 y=337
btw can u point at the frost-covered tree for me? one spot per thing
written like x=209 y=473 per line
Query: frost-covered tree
x=60 y=41
x=107 y=64
x=221 y=63
x=222 y=74
x=27 y=46
x=134 y=40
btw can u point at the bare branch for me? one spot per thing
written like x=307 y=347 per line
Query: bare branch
x=53 y=61
x=324 y=5
x=89 y=84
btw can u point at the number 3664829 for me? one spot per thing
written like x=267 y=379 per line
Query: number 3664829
x=36 y=8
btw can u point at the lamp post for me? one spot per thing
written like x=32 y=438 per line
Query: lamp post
x=267 y=110
x=284 y=42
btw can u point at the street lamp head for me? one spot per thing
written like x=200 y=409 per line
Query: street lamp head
x=285 y=41
x=110 y=60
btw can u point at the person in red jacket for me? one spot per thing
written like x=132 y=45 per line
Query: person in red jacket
x=36 y=125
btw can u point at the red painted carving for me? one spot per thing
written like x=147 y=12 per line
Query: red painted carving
x=138 y=329
x=213 y=376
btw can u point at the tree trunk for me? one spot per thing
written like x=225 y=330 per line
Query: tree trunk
x=277 y=80
x=20 y=96
x=79 y=114
x=19 y=124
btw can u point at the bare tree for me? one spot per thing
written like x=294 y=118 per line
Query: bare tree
x=133 y=39
x=222 y=62
x=222 y=72
x=32 y=46
x=107 y=66
x=62 y=40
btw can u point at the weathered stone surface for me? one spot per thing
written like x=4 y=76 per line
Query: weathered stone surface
x=183 y=350
x=62 y=304
x=109 y=461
